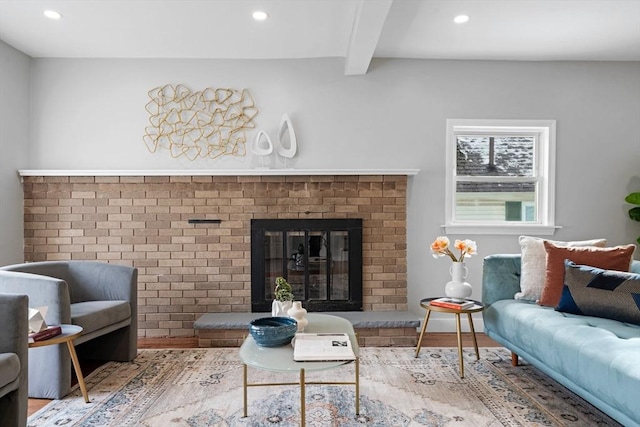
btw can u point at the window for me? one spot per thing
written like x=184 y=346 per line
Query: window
x=500 y=176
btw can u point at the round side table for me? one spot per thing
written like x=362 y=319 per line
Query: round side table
x=477 y=307
x=69 y=333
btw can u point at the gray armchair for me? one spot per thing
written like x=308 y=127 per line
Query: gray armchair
x=100 y=297
x=14 y=353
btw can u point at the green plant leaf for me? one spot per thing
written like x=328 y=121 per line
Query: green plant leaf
x=634 y=214
x=633 y=198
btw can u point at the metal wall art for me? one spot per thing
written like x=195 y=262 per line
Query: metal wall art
x=208 y=124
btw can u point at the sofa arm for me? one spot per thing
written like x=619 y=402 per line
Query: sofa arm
x=635 y=266
x=42 y=291
x=500 y=277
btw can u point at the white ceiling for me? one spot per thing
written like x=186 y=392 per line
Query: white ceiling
x=355 y=30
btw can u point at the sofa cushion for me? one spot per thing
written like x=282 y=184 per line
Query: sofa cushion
x=95 y=315
x=534 y=264
x=615 y=258
x=9 y=368
x=602 y=293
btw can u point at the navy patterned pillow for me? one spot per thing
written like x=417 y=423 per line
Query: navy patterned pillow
x=596 y=292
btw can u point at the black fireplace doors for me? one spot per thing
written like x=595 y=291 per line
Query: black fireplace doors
x=320 y=258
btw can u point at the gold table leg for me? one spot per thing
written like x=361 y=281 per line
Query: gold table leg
x=473 y=334
x=424 y=327
x=302 y=399
x=76 y=367
x=244 y=388
x=357 y=368
x=459 y=344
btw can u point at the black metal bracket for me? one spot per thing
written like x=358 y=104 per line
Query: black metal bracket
x=205 y=221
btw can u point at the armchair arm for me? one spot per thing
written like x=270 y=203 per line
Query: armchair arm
x=41 y=290
x=15 y=324
x=100 y=281
x=87 y=280
x=500 y=277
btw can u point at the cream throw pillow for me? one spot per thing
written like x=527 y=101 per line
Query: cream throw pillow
x=534 y=264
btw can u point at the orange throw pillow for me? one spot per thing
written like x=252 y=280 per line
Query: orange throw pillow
x=616 y=258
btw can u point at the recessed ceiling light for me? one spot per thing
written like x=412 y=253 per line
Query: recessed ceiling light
x=259 y=15
x=460 y=19
x=52 y=14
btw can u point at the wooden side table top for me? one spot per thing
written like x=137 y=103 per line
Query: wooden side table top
x=69 y=333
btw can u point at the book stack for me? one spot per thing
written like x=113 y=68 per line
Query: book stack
x=455 y=304
x=45 y=334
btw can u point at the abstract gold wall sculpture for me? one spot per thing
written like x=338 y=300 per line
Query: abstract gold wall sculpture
x=208 y=124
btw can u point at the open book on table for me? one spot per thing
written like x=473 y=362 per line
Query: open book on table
x=322 y=347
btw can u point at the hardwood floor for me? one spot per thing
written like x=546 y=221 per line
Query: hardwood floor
x=429 y=340
x=447 y=339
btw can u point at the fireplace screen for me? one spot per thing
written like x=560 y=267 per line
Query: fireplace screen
x=321 y=259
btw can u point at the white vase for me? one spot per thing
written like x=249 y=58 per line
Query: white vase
x=457 y=288
x=300 y=314
x=287 y=142
x=280 y=308
x=262 y=145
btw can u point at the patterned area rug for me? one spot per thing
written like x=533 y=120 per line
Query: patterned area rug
x=203 y=387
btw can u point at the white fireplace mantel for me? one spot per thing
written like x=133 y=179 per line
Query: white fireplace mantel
x=214 y=172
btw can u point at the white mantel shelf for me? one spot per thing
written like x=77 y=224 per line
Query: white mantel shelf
x=214 y=172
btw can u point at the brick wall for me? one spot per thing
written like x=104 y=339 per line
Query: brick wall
x=189 y=269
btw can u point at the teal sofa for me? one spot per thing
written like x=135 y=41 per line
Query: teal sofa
x=596 y=358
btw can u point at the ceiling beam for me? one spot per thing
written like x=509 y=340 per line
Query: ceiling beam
x=365 y=33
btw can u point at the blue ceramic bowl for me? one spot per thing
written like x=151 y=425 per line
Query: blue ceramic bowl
x=273 y=331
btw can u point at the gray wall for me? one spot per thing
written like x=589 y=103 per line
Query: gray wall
x=89 y=114
x=14 y=147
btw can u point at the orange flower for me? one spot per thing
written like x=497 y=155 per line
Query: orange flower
x=440 y=244
x=440 y=247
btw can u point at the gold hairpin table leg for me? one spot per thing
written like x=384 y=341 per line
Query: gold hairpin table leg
x=244 y=388
x=76 y=366
x=424 y=327
x=302 y=398
x=473 y=334
x=459 y=344
x=357 y=368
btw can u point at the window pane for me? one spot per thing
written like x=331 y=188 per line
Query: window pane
x=495 y=156
x=513 y=211
x=490 y=201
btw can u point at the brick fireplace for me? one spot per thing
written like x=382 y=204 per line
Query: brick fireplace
x=187 y=269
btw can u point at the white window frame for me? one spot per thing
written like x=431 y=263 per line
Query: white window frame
x=543 y=172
